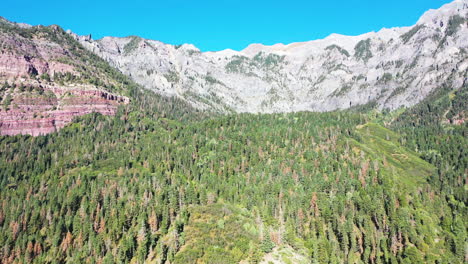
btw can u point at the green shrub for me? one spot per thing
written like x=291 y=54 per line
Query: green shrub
x=362 y=50
x=408 y=35
x=132 y=44
x=340 y=49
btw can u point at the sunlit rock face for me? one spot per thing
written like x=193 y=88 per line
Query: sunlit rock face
x=392 y=68
x=39 y=114
x=42 y=84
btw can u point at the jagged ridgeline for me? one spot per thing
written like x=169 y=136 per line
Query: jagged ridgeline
x=46 y=72
x=393 y=67
x=284 y=188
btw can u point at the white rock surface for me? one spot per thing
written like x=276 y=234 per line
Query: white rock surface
x=320 y=75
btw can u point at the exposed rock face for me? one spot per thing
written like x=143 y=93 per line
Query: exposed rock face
x=39 y=114
x=16 y=66
x=42 y=84
x=393 y=67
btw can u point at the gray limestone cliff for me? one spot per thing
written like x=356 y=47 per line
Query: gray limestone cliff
x=392 y=68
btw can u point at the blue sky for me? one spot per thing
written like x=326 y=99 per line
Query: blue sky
x=219 y=24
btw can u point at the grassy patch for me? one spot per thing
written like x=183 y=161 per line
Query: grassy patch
x=382 y=144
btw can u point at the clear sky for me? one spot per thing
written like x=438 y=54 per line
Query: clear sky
x=219 y=24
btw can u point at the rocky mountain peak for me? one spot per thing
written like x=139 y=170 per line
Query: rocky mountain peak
x=390 y=68
x=438 y=17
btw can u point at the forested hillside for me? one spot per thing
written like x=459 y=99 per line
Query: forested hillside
x=160 y=183
x=128 y=175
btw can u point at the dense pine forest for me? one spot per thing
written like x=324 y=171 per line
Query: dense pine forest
x=163 y=183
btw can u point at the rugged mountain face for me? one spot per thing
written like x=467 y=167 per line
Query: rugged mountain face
x=393 y=67
x=47 y=79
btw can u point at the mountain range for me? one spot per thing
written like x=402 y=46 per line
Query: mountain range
x=391 y=68
x=75 y=75
x=127 y=150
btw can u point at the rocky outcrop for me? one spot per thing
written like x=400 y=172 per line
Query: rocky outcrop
x=12 y=65
x=47 y=79
x=39 y=114
x=391 y=68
